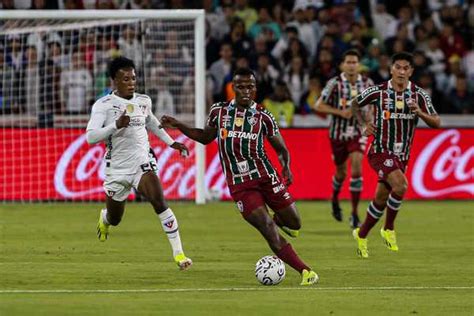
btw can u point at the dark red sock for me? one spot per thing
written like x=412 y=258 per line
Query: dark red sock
x=367 y=225
x=370 y=220
x=393 y=205
x=355 y=197
x=289 y=256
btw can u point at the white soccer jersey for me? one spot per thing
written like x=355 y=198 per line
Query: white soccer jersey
x=127 y=148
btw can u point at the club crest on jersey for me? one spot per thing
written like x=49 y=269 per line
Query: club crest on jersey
x=130 y=108
x=223 y=133
x=388 y=163
x=252 y=120
x=143 y=108
x=243 y=166
x=399 y=104
x=239 y=121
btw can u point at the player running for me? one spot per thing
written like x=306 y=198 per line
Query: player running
x=121 y=119
x=397 y=105
x=344 y=131
x=240 y=127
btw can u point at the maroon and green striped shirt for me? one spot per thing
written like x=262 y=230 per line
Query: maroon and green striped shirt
x=338 y=93
x=241 y=134
x=395 y=124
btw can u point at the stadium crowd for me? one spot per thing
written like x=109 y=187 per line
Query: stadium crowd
x=294 y=47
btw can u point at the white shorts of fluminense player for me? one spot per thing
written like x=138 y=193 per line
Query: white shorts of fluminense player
x=119 y=186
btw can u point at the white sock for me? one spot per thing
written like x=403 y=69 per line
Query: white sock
x=103 y=213
x=169 y=224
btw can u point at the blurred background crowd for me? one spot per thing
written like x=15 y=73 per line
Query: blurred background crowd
x=294 y=47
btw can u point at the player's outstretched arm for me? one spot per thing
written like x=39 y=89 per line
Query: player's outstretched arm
x=279 y=145
x=432 y=120
x=322 y=107
x=154 y=125
x=368 y=127
x=96 y=132
x=203 y=136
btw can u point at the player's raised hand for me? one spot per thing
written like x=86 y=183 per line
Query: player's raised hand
x=347 y=113
x=123 y=120
x=287 y=175
x=169 y=121
x=181 y=147
x=368 y=129
x=414 y=107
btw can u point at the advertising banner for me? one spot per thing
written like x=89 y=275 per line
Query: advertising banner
x=58 y=164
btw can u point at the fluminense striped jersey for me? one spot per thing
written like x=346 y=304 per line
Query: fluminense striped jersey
x=395 y=124
x=240 y=137
x=338 y=93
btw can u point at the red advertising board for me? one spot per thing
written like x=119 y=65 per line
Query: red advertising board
x=58 y=164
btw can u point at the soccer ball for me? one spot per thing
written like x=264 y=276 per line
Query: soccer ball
x=270 y=270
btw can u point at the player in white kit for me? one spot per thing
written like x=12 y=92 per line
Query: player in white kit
x=121 y=119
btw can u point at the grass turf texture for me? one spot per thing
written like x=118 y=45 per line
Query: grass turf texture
x=54 y=247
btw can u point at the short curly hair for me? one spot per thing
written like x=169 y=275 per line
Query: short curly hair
x=119 y=63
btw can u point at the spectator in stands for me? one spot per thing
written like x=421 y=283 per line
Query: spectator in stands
x=400 y=42
x=8 y=5
x=383 y=72
x=160 y=92
x=73 y=4
x=381 y=19
x=297 y=78
x=76 y=87
x=305 y=30
x=468 y=62
x=212 y=46
x=240 y=62
x=266 y=26
x=427 y=82
x=460 y=98
x=14 y=54
x=246 y=13
x=280 y=104
x=295 y=49
x=325 y=67
x=421 y=38
x=454 y=71
x=451 y=42
x=220 y=20
x=356 y=38
x=241 y=43
x=437 y=59
x=260 y=47
x=219 y=70
x=371 y=58
x=404 y=20
x=420 y=64
x=30 y=82
x=265 y=75
x=283 y=43
x=309 y=97
x=130 y=45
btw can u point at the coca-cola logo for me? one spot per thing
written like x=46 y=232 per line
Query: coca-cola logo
x=443 y=160
x=176 y=176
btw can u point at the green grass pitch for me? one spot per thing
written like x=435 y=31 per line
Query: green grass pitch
x=51 y=263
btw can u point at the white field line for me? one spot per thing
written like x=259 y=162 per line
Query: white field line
x=245 y=289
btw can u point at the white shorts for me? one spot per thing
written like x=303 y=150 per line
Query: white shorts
x=119 y=186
